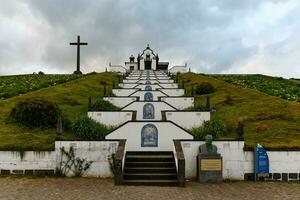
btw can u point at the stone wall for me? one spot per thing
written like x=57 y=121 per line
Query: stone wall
x=239 y=164
x=27 y=162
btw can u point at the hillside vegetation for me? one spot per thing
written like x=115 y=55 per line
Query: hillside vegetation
x=270 y=121
x=71 y=98
x=275 y=86
x=20 y=84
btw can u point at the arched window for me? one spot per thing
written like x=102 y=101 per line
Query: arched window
x=148 y=96
x=148 y=111
x=148 y=88
x=149 y=136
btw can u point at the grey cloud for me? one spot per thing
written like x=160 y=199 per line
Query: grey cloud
x=196 y=32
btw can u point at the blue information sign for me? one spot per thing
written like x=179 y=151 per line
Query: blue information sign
x=261 y=160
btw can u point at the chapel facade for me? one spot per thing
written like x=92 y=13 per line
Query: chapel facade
x=147 y=60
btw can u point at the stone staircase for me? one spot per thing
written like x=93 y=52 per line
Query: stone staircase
x=150 y=168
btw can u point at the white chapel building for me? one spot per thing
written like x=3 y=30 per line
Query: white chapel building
x=147 y=60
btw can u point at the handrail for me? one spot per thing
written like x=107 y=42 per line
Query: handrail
x=119 y=158
x=180 y=163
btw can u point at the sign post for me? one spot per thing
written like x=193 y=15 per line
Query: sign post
x=261 y=162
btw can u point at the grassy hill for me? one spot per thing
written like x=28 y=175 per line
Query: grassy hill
x=71 y=98
x=271 y=121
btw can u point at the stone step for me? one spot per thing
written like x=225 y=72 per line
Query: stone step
x=149 y=158
x=149 y=153
x=149 y=164
x=151 y=182
x=150 y=176
x=150 y=170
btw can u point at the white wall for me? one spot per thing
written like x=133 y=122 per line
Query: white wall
x=144 y=81
x=113 y=118
x=123 y=92
x=130 y=81
x=96 y=151
x=284 y=161
x=167 y=132
x=166 y=81
x=173 y=92
x=179 y=102
x=169 y=85
x=188 y=120
x=158 y=107
x=120 y=101
x=143 y=86
x=32 y=160
x=155 y=94
x=127 y=85
x=236 y=162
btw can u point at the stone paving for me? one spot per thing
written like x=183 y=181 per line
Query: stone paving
x=92 y=188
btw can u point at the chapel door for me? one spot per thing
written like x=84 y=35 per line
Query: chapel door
x=147 y=65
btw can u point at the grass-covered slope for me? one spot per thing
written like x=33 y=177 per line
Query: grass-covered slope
x=20 y=84
x=71 y=97
x=270 y=121
x=276 y=86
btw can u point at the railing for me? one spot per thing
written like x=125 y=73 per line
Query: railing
x=180 y=163
x=120 y=159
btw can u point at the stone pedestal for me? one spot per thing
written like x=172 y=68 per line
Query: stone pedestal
x=210 y=169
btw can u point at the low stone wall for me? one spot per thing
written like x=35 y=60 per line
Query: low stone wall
x=111 y=118
x=179 y=103
x=27 y=162
x=98 y=152
x=187 y=120
x=239 y=164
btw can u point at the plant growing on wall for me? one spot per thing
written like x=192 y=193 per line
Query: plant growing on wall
x=112 y=163
x=70 y=163
x=213 y=127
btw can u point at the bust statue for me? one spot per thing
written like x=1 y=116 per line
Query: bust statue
x=208 y=147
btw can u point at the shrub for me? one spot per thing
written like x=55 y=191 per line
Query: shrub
x=35 y=112
x=204 y=88
x=88 y=129
x=102 y=105
x=41 y=73
x=213 y=127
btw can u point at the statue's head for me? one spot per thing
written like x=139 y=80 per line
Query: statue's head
x=208 y=139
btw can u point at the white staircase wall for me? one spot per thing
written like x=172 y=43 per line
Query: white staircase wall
x=158 y=107
x=120 y=101
x=111 y=118
x=167 y=132
x=155 y=94
x=173 y=92
x=179 y=103
x=188 y=120
x=123 y=92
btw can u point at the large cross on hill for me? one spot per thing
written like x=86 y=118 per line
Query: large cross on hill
x=78 y=43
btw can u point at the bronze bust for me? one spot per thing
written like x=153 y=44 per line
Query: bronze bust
x=208 y=147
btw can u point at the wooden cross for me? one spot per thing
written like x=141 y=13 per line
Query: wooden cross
x=78 y=43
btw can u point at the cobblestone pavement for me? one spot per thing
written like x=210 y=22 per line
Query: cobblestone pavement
x=92 y=188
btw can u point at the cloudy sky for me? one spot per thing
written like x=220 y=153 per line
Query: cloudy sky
x=228 y=36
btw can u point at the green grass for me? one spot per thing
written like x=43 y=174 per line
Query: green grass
x=71 y=97
x=275 y=86
x=270 y=121
x=20 y=84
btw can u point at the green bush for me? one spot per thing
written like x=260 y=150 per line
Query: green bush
x=213 y=127
x=35 y=112
x=102 y=105
x=204 y=88
x=88 y=129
